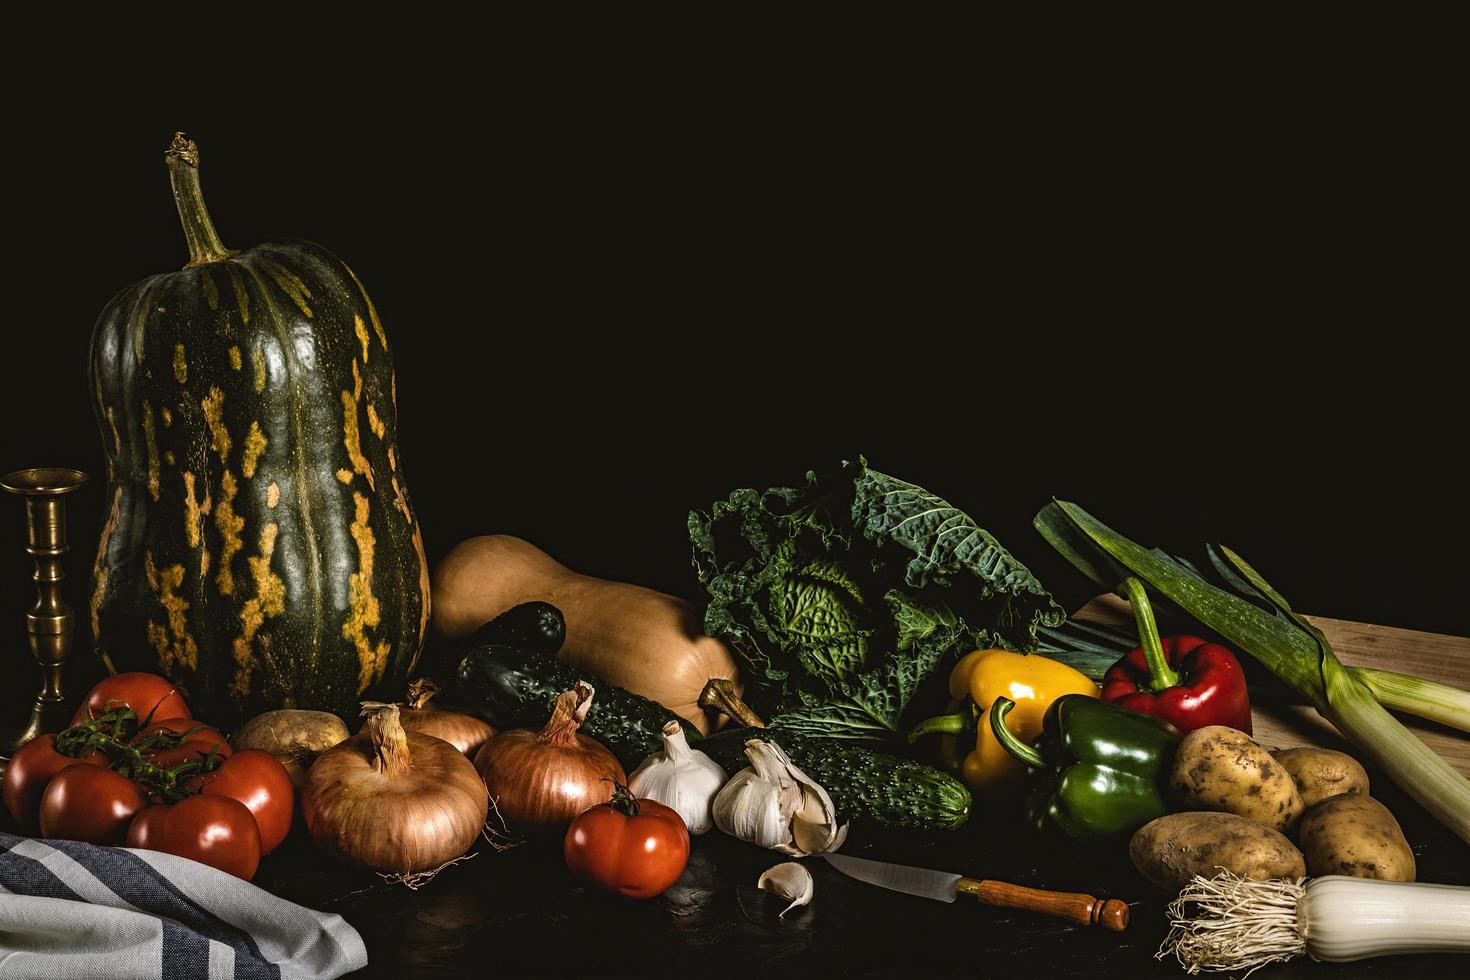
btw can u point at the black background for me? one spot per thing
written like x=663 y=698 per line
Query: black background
x=1210 y=298
x=612 y=302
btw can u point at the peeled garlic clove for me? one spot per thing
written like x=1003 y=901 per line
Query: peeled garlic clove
x=789 y=881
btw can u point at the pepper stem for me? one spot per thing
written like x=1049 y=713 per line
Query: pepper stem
x=1161 y=675
x=1023 y=752
x=955 y=724
x=719 y=695
x=183 y=175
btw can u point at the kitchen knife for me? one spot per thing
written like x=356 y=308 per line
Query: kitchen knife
x=1082 y=910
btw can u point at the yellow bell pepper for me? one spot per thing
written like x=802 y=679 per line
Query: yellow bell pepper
x=1032 y=681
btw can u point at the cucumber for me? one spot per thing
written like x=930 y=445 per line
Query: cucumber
x=512 y=687
x=533 y=625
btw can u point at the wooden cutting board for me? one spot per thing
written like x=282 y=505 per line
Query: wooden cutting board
x=1434 y=656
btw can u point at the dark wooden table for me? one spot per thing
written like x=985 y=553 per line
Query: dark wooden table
x=518 y=913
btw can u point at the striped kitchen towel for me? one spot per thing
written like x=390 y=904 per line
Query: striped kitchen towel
x=73 y=911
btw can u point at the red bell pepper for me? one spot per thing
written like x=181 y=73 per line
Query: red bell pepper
x=1182 y=679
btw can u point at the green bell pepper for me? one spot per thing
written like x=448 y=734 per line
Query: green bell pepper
x=1097 y=769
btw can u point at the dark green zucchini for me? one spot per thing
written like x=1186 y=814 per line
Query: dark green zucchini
x=515 y=688
x=537 y=626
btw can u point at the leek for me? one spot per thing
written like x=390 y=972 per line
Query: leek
x=1284 y=643
x=1231 y=923
x=1416 y=696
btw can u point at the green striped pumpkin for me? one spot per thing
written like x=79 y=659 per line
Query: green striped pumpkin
x=260 y=548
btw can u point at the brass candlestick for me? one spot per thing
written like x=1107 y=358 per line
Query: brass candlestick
x=50 y=622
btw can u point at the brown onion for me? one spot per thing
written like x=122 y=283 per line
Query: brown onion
x=464 y=731
x=542 y=780
x=393 y=800
x=295 y=737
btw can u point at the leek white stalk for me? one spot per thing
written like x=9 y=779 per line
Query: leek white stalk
x=1416 y=696
x=1422 y=774
x=1231 y=923
x=683 y=779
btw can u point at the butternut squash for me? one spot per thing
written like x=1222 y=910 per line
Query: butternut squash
x=638 y=639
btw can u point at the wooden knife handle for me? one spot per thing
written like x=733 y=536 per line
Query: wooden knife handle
x=1083 y=910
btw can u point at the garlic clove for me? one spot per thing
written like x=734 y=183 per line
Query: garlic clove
x=789 y=881
x=811 y=838
x=814 y=826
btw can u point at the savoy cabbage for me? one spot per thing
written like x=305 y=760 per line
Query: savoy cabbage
x=840 y=596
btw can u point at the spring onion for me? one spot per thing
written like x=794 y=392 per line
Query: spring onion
x=1231 y=923
x=1284 y=643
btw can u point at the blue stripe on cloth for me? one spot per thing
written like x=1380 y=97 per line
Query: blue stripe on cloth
x=185 y=952
x=27 y=876
x=137 y=882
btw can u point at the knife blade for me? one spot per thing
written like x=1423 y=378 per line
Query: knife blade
x=943 y=886
x=938 y=885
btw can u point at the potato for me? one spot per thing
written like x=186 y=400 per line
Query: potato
x=1171 y=850
x=1219 y=768
x=1355 y=835
x=294 y=736
x=1321 y=774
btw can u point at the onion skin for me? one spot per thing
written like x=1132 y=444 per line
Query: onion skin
x=541 y=781
x=464 y=731
x=393 y=800
x=295 y=737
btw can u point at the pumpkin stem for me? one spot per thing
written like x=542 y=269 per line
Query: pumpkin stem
x=183 y=174
x=719 y=695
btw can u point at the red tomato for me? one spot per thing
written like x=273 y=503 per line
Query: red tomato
x=144 y=693
x=213 y=830
x=90 y=803
x=635 y=855
x=29 y=771
x=259 y=781
x=196 y=744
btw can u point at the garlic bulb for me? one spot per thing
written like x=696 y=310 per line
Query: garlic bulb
x=774 y=804
x=683 y=779
x=790 y=881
